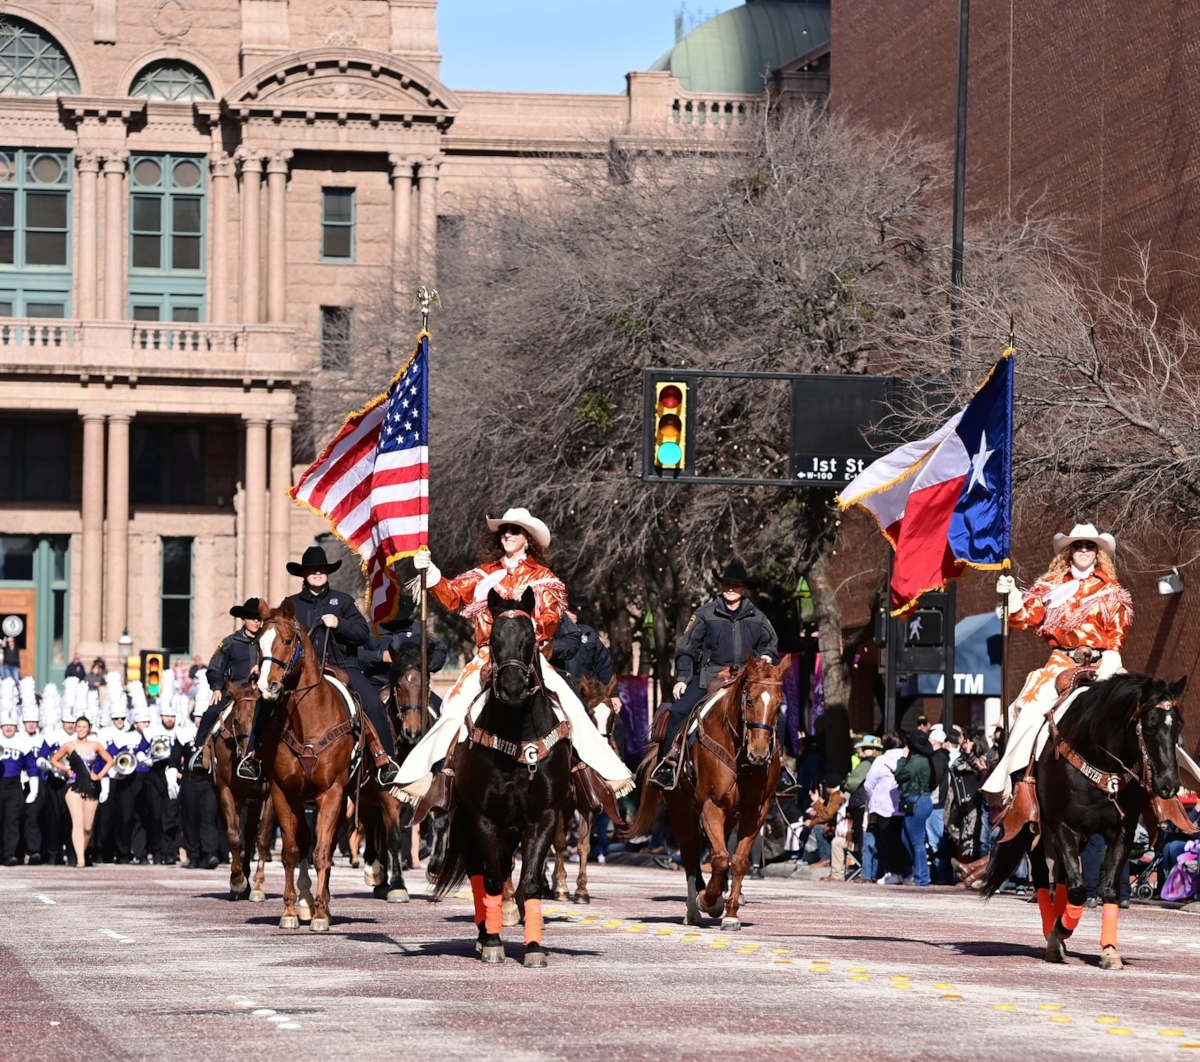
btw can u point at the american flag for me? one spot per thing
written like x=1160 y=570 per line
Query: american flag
x=372 y=481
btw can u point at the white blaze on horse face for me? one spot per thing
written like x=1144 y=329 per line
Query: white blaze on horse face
x=603 y=711
x=766 y=699
x=266 y=643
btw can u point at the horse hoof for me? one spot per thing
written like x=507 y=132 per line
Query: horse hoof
x=1110 y=959
x=510 y=915
x=319 y=925
x=692 y=918
x=372 y=874
x=239 y=894
x=304 y=911
x=257 y=896
x=561 y=894
x=535 y=957
x=492 y=953
x=289 y=922
x=397 y=896
x=730 y=925
x=1055 y=949
x=582 y=896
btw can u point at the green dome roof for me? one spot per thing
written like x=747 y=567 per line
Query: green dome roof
x=732 y=51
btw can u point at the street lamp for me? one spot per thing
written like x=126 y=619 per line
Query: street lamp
x=1171 y=583
x=125 y=642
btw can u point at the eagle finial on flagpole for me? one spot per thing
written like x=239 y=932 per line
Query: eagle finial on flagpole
x=426 y=299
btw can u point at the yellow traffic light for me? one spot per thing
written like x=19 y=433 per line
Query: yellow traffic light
x=154 y=663
x=670 y=424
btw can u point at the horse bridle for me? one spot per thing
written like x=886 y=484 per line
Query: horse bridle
x=531 y=671
x=287 y=668
x=1112 y=782
x=750 y=724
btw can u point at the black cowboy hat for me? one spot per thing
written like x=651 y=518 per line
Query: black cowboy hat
x=248 y=610
x=314 y=560
x=735 y=572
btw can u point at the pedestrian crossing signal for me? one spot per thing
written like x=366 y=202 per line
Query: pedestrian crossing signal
x=670 y=424
x=924 y=628
x=154 y=662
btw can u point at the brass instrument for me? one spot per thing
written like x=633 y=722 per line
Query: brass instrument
x=160 y=749
x=124 y=764
x=44 y=764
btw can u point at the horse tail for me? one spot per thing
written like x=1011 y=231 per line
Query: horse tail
x=1006 y=857
x=651 y=796
x=450 y=870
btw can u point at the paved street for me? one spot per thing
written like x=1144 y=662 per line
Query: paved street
x=145 y=962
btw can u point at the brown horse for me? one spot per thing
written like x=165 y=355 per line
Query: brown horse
x=308 y=747
x=235 y=795
x=728 y=780
x=596 y=698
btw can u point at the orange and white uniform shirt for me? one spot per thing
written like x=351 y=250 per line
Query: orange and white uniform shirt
x=1090 y=613
x=468 y=595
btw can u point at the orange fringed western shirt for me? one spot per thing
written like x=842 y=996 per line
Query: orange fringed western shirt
x=1096 y=616
x=468 y=595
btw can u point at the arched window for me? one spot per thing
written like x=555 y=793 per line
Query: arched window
x=172 y=80
x=32 y=63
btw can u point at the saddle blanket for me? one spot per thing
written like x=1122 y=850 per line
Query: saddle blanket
x=346 y=696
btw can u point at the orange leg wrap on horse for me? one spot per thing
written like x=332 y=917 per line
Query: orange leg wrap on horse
x=1046 y=907
x=533 y=921
x=1108 y=925
x=1071 y=916
x=1060 y=900
x=477 y=896
x=493 y=920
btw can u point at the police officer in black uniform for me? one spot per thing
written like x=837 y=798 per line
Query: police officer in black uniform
x=578 y=650
x=198 y=814
x=337 y=629
x=380 y=657
x=236 y=657
x=719 y=636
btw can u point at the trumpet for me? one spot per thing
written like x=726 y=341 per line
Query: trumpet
x=160 y=749
x=45 y=765
x=124 y=764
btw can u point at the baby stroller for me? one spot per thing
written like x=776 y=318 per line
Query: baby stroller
x=1144 y=862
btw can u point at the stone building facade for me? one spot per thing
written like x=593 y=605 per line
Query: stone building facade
x=193 y=196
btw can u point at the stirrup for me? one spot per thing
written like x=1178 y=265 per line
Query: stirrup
x=787 y=782
x=665 y=775
x=249 y=769
x=195 y=764
x=387 y=773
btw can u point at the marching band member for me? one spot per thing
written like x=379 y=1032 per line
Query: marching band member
x=514 y=564
x=236 y=657
x=145 y=818
x=337 y=629
x=35 y=798
x=1083 y=613
x=197 y=797
x=56 y=819
x=80 y=755
x=163 y=780
x=13 y=751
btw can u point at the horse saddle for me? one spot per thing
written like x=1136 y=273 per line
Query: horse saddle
x=1066 y=682
x=591 y=792
x=1021 y=810
x=722 y=680
x=658 y=729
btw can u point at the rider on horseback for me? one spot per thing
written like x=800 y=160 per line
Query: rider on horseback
x=1084 y=613
x=718 y=638
x=337 y=629
x=231 y=664
x=519 y=542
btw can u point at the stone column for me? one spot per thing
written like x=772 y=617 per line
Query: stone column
x=115 y=233
x=402 y=191
x=281 y=508
x=220 y=260
x=256 y=507
x=251 y=163
x=427 y=221
x=88 y=164
x=277 y=176
x=116 y=568
x=92 y=513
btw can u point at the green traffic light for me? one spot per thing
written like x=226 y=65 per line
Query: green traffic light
x=669 y=454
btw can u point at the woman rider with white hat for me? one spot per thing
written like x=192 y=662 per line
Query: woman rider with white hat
x=1084 y=613
x=517 y=564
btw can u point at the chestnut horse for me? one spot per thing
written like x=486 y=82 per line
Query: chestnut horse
x=596 y=697
x=728 y=779
x=237 y=796
x=1109 y=761
x=509 y=783
x=308 y=747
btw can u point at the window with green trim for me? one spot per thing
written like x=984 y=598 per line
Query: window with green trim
x=166 y=251
x=172 y=80
x=337 y=224
x=35 y=232
x=33 y=63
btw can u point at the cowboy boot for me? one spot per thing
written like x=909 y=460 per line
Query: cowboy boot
x=666 y=774
x=387 y=769
x=249 y=768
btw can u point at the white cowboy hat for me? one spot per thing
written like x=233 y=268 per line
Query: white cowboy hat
x=1086 y=533
x=538 y=531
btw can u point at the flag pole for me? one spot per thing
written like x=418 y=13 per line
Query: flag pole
x=424 y=300
x=1004 y=700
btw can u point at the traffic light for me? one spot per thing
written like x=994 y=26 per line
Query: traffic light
x=154 y=662
x=670 y=424
x=924 y=628
x=133 y=669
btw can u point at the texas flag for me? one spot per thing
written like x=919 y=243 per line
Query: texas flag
x=944 y=502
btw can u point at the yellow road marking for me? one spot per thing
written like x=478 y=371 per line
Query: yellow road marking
x=1171 y=1032
x=783 y=962
x=951 y=995
x=1004 y=1006
x=1107 y=1019
x=944 y=988
x=1061 y=1017
x=1049 y=1006
x=818 y=969
x=861 y=977
x=1117 y=1030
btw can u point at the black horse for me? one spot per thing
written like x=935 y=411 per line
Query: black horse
x=1109 y=761
x=509 y=782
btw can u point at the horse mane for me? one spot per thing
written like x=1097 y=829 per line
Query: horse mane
x=1106 y=708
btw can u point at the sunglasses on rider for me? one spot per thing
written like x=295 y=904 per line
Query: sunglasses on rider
x=511 y=529
x=1089 y=546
